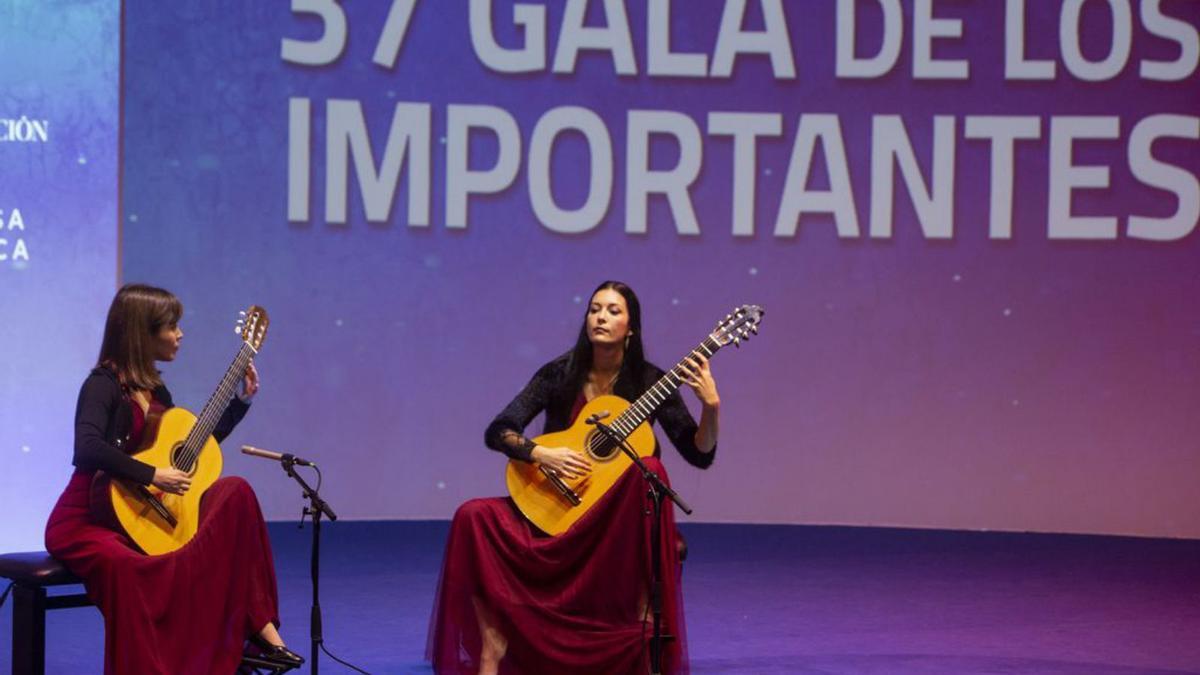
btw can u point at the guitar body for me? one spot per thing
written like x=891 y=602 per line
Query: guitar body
x=135 y=516
x=542 y=503
x=554 y=503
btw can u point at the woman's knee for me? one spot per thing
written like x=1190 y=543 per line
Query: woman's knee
x=655 y=464
x=471 y=510
x=230 y=489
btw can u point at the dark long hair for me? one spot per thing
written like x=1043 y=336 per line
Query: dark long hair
x=137 y=314
x=633 y=367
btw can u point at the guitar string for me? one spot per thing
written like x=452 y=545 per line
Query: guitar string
x=215 y=407
x=639 y=411
x=209 y=415
x=200 y=431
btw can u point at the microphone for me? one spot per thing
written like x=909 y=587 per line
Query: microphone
x=596 y=417
x=277 y=456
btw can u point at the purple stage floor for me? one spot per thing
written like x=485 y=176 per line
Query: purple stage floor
x=785 y=599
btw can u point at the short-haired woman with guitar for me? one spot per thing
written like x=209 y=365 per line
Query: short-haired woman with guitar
x=186 y=611
x=514 y=599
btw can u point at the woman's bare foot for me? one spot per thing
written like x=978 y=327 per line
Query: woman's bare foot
x=495 y=645
x=644 y=612
x=271 y=635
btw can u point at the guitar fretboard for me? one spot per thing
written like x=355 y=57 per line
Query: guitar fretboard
x=645 y=405
x=211 y=414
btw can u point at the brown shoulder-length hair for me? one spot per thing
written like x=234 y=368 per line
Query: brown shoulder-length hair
x=137 y=314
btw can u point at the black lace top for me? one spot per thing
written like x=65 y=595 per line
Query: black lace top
x=548 y=391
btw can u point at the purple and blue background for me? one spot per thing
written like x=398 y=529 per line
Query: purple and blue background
x=59 y=63
x=969 y=383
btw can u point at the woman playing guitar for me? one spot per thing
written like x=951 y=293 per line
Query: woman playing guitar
x=191 y=610
x=514 y=600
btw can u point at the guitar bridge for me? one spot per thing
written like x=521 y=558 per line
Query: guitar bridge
x=157 y=506
x=562 y=487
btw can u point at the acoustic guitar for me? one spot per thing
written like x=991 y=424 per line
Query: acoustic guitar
x=160 y=522
x=554 y=503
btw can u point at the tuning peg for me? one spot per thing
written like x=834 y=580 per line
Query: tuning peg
x=737 y=342
x=754 y=328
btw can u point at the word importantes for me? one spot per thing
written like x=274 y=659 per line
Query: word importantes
x=818 y=147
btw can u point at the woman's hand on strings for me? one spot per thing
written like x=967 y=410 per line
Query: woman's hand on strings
x=564 y=462
x=250 y=383
x=698 y=376
x=170 y=479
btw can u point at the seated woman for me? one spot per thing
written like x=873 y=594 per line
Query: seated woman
x=514 y=600
x=192 y=610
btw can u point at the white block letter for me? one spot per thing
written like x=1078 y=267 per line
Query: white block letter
x=1066 y=176
x=299 y=158
x=745 y=129
x=925 y=29
x=532 y=54
x=848 y=65
x=641 y=181
x=798 y=199
x=1003 y=132
x=541 y=146
x=1016 y=66
x=890 y=146
x=613 y=38
x=1181 y=32
x=1164 y=176
x=461 y=181
x=773 y=40
x=660 y=59
x=1118 y=53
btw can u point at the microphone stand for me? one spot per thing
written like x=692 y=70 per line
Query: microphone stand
x=316 y=507
x=656 y=490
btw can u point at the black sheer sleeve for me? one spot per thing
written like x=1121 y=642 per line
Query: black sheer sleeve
x=99 y=402
x=679 y=425
x=505 y=433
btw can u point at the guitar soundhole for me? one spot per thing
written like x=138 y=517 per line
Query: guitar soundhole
x=600 y=447
x=179 y=458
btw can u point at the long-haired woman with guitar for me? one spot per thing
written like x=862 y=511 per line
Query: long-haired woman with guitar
x=190 y=610
x=515 y=599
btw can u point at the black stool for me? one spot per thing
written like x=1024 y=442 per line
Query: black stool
x=31 y=574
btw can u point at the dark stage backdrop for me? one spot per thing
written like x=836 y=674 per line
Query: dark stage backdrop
x=972 y=225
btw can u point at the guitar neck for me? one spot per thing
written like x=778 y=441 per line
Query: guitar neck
x=211 y=414
x=645 y=405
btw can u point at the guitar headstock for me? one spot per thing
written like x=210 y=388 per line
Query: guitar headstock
x=252 y=326
x=738 y=325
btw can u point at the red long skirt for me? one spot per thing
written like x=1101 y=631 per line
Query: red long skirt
x=184 y=612
x=568 y=604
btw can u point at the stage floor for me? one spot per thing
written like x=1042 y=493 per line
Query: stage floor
x=783 y=599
